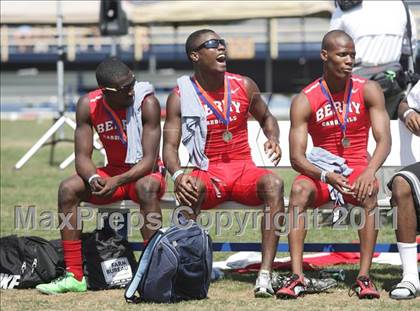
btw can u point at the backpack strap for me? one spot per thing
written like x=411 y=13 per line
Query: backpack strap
x=133 y=287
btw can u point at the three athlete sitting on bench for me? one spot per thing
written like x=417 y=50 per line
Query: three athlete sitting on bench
x=209 y=112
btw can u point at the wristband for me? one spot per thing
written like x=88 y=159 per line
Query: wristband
x=93 y=177
x=324 y=176
x=176 y=174
x=405 y=115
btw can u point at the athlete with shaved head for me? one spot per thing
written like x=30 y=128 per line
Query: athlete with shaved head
x=337 y=111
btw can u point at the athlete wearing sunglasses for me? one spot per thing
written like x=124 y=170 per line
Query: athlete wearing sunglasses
x=227 y=100
x=105 y=111
x=121 y=94
x=211 y=44
x=124 y=88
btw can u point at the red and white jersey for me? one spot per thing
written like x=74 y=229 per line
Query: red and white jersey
x=324 y=128
x=108 y=134
x=238 y=148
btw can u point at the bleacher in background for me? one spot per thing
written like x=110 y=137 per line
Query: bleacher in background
x=294 y=38
x=248 y=40
x=156 y=51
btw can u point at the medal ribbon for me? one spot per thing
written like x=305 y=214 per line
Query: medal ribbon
x=209 y=102
x=117 y=122
x=341 y=118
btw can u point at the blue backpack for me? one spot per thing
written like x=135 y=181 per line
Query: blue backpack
x=176 y=265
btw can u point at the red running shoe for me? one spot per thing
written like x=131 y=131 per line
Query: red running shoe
x=292 y=288
x=364 y=288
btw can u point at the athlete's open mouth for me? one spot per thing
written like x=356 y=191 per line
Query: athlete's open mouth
x=221 y=58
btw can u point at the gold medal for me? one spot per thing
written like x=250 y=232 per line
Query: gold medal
x=345 y=142
x=227 y=136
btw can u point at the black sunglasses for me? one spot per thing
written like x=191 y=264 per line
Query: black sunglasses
x=123 y=89
x=211 y=44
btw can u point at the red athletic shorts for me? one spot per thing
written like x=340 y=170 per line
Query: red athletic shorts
x=231 y=181
x=126 y=191
x=322 y=195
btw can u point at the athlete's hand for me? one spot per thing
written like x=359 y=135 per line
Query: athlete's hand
x=186 y=192
x=108 y=188
x=412 y=122
x=339 y=182
x=97 y=184
x=273 y=151
x=365 y=185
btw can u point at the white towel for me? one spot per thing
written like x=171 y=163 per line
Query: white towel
x=330 y=162
x=134 y=123
x=194 y=126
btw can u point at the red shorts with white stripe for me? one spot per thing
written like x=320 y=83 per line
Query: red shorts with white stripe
x=231 y=181
x=322 y=195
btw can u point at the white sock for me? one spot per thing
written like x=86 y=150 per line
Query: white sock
x=408 y=254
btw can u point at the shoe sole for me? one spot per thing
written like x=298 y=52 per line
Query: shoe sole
x=369 y=297
x=46 y=292
x=409 y=297
x=402 y=298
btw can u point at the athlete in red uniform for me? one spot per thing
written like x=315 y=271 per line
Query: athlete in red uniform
x=116 y=152
x=105 y=110
x=325 y=132
x=313 y=111
x=231 y=174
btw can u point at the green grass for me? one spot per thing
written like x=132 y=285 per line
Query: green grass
x=36 y=183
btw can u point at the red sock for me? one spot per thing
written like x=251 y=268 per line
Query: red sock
x=73 y=258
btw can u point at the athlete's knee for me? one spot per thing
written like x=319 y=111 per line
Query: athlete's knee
x=271 y=184
x=67 y=194
x=301 y=193
x=375 y=190
x=400 y=188
x=147 y=188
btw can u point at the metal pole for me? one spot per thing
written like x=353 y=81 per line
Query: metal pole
x=60 y=60
x=268 y=62
x=152 y=57
x=113 y=46
x=61 y=119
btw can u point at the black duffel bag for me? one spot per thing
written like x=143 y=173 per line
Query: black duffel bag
x=390 y=77
x=28 y=261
